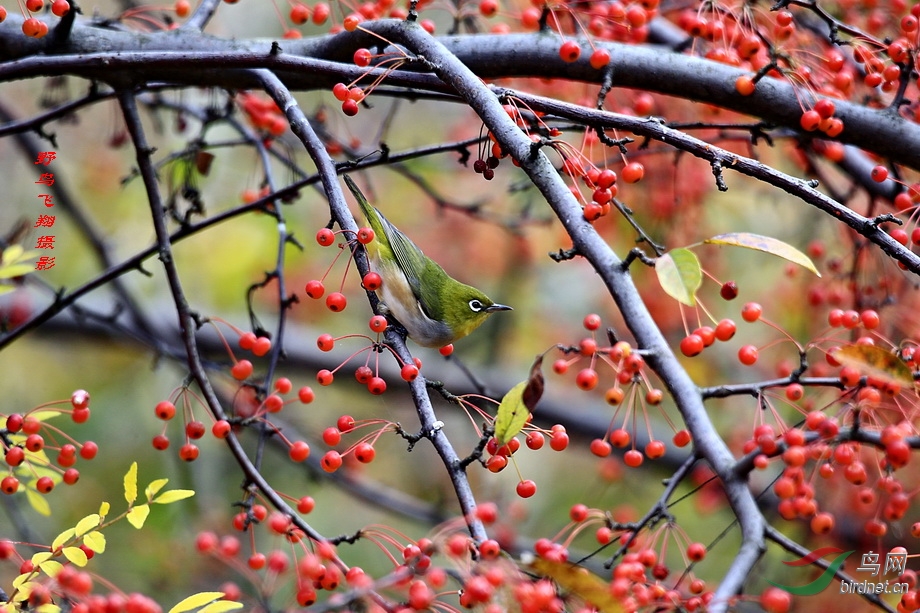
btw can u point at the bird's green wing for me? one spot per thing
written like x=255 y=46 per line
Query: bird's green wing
x=410 y=259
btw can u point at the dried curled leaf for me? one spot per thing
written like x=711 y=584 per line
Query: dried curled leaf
x=875 y=362
x=766 y=244
x=580 y=582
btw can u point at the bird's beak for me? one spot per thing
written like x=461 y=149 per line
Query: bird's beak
x=498 y=307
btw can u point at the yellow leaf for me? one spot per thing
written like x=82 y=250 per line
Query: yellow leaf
x=195 y=601
x=38 y=502
x=680 y=275
x=766 y=244
x=62 y=538
x=104 y=509
x=155 y=486
x=95 y=540
x=51 y=568
x=138 y=515
x=21 y=580
x=76 y=556
x=131 y=484
x=48 y=608
x=87 y=523
x=15 y=270
x=173 y=496
x=43 y=415
x=12 y=253
x=875 y=362
x=25 y=589
x=40 y=557
x=511 y=415
x=580 y=582
x=220 y=606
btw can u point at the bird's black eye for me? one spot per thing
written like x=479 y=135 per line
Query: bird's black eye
x=475 y=305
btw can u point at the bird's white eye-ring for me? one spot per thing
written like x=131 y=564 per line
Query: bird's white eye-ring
x=475 y=305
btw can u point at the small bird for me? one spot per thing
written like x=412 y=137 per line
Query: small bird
x=434 y=308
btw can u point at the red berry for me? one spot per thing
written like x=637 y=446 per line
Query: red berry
x=600 y=58
x=365 y=453
x=306 y=504
x=879 y=174
x=586 y=379
x=221 y=428
x=331 y=461
x=745 y=85
x=70 y=476
x=725 y=330
x=526 y=488
x=300 y=13
x=336 y=302
x=365 y=235
x=241 y=370
x=160 y=442
x=446 y=350
x=376 y=386
x=747 y=355
x=345 y=423
x=247 y=341
x=569 y=51
x=691 y=345
x=325 y=377
x=44 y=485
x=14 y=423
x=165 y=410
x=378 y=323
x=305 y=395
x=325 y=342
x=810 y=120
x=409 y=372
x=600 y=448
x=299 y=451
x=59 y=8
x=729 y=290
x=315 y=289
x=89 y=450
x=262 y=346
x=325 y=237
x=34 y=28
x=194 y=429
x=372 y=281
x=751 y=312
x=696 y=552
x=189 y=452
x=350 y=107
x=9 y=484
x=632 y=458
x=633 y=172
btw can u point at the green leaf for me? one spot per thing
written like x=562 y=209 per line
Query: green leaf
x=87 y=523
x=875 y=362
x=38 y=502
x=62 y=538
x=76 y=556
x=138 y=515
x=95 y=540
x=220 y=606
x=766 y=244
x=173 y=496
x=155 y=486
x=511 y=415
x=131 y=484
x=195 y=601
x=680 y=275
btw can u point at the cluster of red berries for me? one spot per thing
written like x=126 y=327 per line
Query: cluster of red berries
x=315 y=567
x=34 y=27
x=263 y=113
x=362 y=450
x=628 y=366
x=25 y=446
